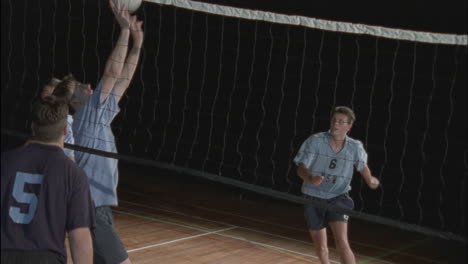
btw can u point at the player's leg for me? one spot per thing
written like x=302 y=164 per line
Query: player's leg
x=127 y=261
x=340 y=234
x=316 y=225
x=107 y=245
x=339 y=225
x=319 y=237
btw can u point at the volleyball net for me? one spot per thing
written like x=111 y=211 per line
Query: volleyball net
x=230 y=94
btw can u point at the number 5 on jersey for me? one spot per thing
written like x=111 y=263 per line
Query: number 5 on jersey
x=23 y=197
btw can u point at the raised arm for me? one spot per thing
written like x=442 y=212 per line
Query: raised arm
x=133 y=56
x=81 y=245
x=116 y=60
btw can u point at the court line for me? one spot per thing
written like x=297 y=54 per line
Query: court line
x=181 y=239
x=246 y=228
x=216 y=233
x=366 y=259
x=228 y=213
x=214 y=221
x=160 y=220
x=282 y=251
x=386 y=251
x=285 y=227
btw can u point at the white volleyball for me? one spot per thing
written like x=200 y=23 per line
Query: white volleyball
x=130 y=5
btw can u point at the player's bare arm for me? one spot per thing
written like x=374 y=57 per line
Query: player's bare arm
x=116 y=60
x=81 y=245
x=370 y=180
x=131 y=62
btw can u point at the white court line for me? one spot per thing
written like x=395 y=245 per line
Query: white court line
x=226 y=213
x=254 y=220
x=180 y=239
x=214 y=232
x=219 y=222
x=217 y=233
x=163 y=221
x=240 y=227
x=386 y=250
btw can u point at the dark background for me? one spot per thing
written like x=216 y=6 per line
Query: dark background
x=236 y=98
x=447 y=17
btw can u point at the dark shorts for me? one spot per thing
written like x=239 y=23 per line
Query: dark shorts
x=107 y=245
x=31 y=257
x=318 y=218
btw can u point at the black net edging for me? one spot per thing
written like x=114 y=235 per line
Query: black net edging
x=260 y=190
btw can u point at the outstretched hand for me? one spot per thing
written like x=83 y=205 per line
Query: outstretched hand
x=121 y=13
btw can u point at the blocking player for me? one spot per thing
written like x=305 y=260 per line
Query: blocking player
x=94 y=112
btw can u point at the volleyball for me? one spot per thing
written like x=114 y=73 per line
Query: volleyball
x=130 y=5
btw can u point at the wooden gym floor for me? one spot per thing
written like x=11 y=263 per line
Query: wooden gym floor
x=164 y=217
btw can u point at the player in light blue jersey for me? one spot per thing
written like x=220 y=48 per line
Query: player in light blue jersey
x=93 y=112
x=326 y=163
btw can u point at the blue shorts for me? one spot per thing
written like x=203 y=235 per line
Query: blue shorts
x=318 y=218
x=107 y=245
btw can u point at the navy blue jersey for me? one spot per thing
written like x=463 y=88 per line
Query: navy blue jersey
x=44 y=194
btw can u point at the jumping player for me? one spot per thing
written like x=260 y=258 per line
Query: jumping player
x=94 y=112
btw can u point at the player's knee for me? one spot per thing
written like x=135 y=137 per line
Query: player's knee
x=321 y=250
x=320 y=242
x=342 y=244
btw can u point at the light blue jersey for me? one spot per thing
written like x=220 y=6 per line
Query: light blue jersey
x=319 y=158
x=69 y=137
x=91 y=128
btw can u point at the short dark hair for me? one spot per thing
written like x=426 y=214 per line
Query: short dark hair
x=345 y=111
x=49 y=118
x=64 y=88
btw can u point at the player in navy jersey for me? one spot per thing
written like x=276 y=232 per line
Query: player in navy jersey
x=45 y=195
x=326 y=162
